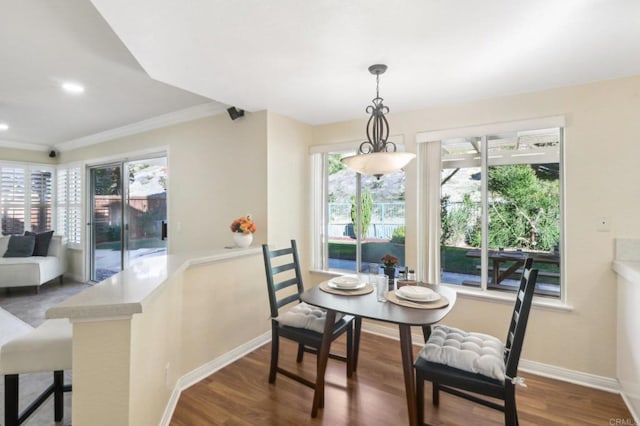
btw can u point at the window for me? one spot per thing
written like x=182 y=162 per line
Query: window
x=69 y=204
x=26 y=193
x=41 y=200
x=500 y=200
x=362 y=218
x=13 y=200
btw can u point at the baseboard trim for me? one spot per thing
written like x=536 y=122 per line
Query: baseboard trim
x=208 y=369
x=630 y=407
x=390 y=332
x=73 y=277
x=607 y=384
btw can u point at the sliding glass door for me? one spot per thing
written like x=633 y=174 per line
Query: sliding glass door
x=106 y=221
x=129 y=213
x=146 y=202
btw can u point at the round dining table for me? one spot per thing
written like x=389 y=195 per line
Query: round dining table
x=367 y=306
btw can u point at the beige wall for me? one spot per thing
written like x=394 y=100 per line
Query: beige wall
x=28 y=156
x=602 y=151
x=220 y=169
x=156 y=353
x=125 y=370
x=288 y=183
x=225 y=305
x=217 y=170
x=102 y=373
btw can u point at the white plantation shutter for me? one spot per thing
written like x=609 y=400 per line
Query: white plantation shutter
x=74 y=233
x=41 y=208
x=12 y=200
x=26 y=198
x=69 y=204
x=62 y=215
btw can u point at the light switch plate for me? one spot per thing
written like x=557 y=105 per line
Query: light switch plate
x=603 y=224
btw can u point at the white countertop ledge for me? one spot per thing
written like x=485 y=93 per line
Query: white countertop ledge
x=630 y=270
x=127 y=292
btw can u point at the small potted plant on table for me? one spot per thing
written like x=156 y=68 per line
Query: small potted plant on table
x=390 y=263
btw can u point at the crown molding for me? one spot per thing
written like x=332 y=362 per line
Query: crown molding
x=176 y=117
x=23 y=145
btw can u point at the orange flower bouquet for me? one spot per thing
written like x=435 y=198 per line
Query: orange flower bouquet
x=244 y=225
x=389 y=261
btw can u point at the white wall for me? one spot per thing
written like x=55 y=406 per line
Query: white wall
x=602 y=152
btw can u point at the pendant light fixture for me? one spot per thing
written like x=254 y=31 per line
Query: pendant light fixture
x=377 y=155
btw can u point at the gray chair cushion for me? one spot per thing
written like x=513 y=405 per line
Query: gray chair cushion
x=473 y=352
x=20 y=246
x=306 y=316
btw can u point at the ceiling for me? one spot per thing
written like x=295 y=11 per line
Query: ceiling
x=307 y=60
x=46 y=43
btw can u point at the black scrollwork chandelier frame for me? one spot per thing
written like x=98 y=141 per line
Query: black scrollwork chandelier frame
x=377 y=156
x=377 y=126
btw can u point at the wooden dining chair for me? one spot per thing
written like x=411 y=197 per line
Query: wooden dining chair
x=282 y=269
x=486 y=367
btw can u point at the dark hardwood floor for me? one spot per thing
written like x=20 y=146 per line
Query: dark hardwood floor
x=239 y=394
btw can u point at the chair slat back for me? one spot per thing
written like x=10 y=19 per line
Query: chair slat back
x=277 y=262
x=519 y=319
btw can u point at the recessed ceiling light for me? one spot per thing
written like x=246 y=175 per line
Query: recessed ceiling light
x=3 y=127
x=73 y=87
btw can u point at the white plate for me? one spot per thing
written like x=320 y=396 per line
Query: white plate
x=337 y=287
x=346 y=283
x=429 y=297
x=416 y=292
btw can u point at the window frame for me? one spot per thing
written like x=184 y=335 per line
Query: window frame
x=27 y=170
x=429 y=144
x=320 y=207
x=321 y=224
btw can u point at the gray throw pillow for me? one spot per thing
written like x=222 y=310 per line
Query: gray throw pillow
x=20 y=246
x=43 y=240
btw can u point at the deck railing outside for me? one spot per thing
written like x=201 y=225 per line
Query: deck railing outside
x=385 y=219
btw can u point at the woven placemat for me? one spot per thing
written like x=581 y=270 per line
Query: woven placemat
x=324 y=286
x=440 y=303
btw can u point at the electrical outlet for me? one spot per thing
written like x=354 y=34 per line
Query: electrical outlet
x=603 y=224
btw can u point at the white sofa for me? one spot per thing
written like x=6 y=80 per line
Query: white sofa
x=33 y=270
